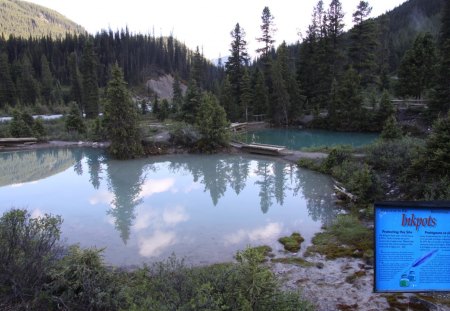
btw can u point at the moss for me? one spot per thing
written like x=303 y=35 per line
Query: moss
x=294 y=261
x=347 y=237
x=292 y=243
x=264 y=250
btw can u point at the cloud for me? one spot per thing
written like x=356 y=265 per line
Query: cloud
x=103 y=196
x=152 y=186
x=145 y=218
x=37 y=213
x=173 y=216
x=155 y=244
x=267 y=233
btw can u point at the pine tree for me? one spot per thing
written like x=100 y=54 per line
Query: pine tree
x=191 y=102
x=385 y=109
x=90 y=85
x=7 y=87
x=441 y=102
x=261 y=97
x=234 y=68
x=74 y=120
x=76 y=92
x=364 y=44
x=391 y=130
x=335 y=29
x=46 y=80
x=212 y=122
x=177 y=99
x=267 y=29
x=246 y=94
x=417 y=69
x=27 y=85
x=121 y=118
x=349 y=101
x=226 y=98
x=279 y=101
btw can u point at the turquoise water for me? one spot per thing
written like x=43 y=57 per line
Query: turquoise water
x=295 y=139
x=202 y=208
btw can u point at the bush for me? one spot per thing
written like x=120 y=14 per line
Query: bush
x=82 y=282
x=29 y=249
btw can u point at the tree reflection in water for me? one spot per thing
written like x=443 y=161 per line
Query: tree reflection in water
x=216 y=173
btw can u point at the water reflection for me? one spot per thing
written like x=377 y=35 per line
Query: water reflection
x=23 y=167
x=158 y=204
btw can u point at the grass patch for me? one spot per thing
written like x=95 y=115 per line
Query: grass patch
x=347 y=237
x=292 y=243
x=294 y=261
x=352 y=278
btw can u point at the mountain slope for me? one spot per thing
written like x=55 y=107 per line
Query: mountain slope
x=406 y=21
x=23 y=19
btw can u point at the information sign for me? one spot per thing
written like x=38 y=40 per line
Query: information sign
x=412 y=246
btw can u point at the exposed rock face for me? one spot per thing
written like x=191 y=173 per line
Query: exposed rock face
x=163 y=86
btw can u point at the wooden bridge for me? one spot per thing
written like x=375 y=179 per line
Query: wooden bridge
x=264 y=149
x=242 y=127
x=11 y=142
x=410 y=103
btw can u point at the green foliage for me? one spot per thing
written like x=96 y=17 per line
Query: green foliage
x=429 y=175
x=74 y=121
x=121 y=119
x=25 y=19
x=292 y=243
x=163 y=112
x=29 y=249
x=39 y=129
x=82 y=282
x=35 y=275
x=346 y=237
x=90 y=95
x=212 y=123
x=391 y=129
x=417 y=69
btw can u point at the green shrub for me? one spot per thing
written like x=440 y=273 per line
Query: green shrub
x=82 y=282
x=29 y=249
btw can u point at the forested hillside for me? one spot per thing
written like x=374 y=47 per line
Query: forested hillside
x=26 y=19
x=47 y=71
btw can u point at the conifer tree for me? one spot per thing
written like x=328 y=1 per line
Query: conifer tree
x=90 y=84
x=7 y=87
x=234 y=68
x=349 y=101
x=177 y=99
x=27 y=85
x=191 y=102
x=391 y=130
x=440 y=105
x=279 y=101
x=246 y=94
x=364 y=43
x=76 y=92
x=417 y=69
x=46 y=80
x=267 y=29
x=121 y=119
x=335 y=29
x=261 y=96
x=226 y=98
x=385 y=109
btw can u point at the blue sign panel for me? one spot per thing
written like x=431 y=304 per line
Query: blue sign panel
x=412 y=246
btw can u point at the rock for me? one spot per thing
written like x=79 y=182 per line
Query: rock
x=320 y=265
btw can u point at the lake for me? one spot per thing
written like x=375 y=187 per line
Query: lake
x=295 y=139
x=202 y=208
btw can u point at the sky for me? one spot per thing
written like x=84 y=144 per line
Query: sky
x=203 y=23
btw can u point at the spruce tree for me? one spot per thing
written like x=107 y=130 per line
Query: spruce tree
x=349 y=101
x=226 y=98
x=27 y=85
x=440 y=105
x=76 y=92
x=416 y=73
x=234 y=68
x=90 y=85
x=191 y=102
x=335 y=29
x=177 y=99
x=246 y=94
x=364 y=44
x=391 y=130
x=261 y=96
x=7 y=87
x=121 y=119
x=46 y=80
x=267 y=29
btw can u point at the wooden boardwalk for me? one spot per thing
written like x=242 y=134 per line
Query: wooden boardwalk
x=17 y=141
x=264 y=149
